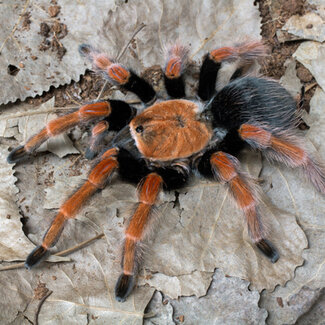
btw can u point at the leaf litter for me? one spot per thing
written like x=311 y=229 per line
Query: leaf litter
x=193 y=240
x=24 y=42
x=228 y=301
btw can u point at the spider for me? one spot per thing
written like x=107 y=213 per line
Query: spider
x=161 y=146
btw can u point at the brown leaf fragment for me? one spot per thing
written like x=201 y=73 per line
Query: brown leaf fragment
x=304 y=75
x=280 y=301
x=53 y=11
x=26 y=21
x=181 y=318
x=40 y=291
x=44 y=29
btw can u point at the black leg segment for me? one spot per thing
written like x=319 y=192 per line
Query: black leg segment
x=208 y=76
x=175 y=87
x=121 y=114
x=141 y=88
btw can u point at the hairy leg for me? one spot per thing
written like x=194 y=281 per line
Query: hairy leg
x=286 y=148
x=245 y=190
x=118 y=74
x=136 y=233
x=97 y=180
x=174 y=69
x=97 y=134
x=117 y=113
x=245 y=53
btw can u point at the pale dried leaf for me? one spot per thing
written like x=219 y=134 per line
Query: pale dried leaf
x=289 y=80
x=228 y=302
x=20 y=45
x=159 y=311
x=312 y=56
x=310 y=27
x=81 y=290
x=319 y=7
x=13 y=243
x=316 y=314
x=203 y=26
x=196 y=283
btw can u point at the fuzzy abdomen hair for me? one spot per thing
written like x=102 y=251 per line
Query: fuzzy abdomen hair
x=254 y=100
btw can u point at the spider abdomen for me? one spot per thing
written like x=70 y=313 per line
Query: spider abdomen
x=170 y=130
x=257 y=100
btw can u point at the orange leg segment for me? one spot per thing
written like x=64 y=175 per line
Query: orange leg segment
x=136 y=233
x=176 y=61
x=246 y=51
x=63 y=123
x=288 y=149
x=222 y=53
x=226 y=169
x=96 y=180
x=115 y=71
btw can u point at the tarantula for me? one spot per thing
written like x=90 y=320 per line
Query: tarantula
x=161 y=146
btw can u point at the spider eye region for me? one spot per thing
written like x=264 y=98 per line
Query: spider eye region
x=139 y=129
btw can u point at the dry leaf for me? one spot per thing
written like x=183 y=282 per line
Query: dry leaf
x=13 y=243
x=312 y=56
x=43 y=69
x=228 y=302
x=159 y=311
x=289 y=80
x=291 y=193
x=196 y=283
x=310 y=26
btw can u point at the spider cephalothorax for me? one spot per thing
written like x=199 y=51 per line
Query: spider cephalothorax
x=170 y=130
x=159 y=147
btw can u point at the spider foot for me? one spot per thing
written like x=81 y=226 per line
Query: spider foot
x=267 y=248
x=18 y=154
x=124 y=286
x=36 y=256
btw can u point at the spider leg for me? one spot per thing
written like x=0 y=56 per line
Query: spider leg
x=286 y=148
x=97 y=180
x=135 y=234
x=118 y=74
x=245 y=53
x=174 y=69
x=117 y=113
x=97 y=134
x=245 y=191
